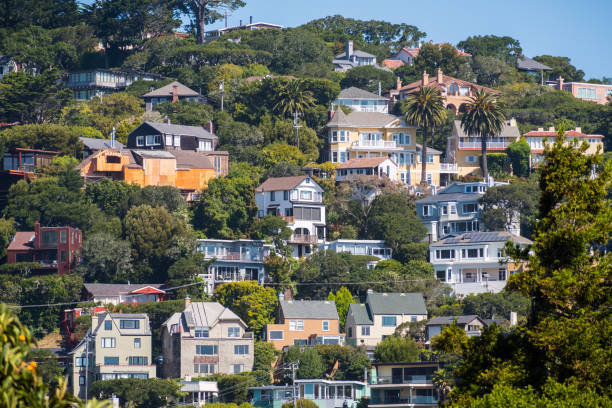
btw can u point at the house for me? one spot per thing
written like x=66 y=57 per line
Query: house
x=92 y=145
x=234 y=260
x=456 y=92
x=367 y=247
x=475 y=262
x=407 y=55
x=173 y=92
x=369 y=166
x=21 y=164
x=537 y=140
x=117 y=293
x=361 y=135
x=362 y=101
x=532 y=67
x=403 y=384
x=205 y=338
x=212 y=35
x=464 y=150
x=352 y=58
x=198 y=393
x=369 y=323
x=97 y=82
x=299 y=201
x=55 y=249
x=305 y=322
x=324 y=393
x=455 y=209
x=472 y=324
x=8 y=65
x=118 y=346
x=597 y=93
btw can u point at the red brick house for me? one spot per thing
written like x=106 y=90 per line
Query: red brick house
x=54 y=248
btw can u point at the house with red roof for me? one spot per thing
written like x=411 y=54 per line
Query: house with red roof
x=537 y=140
x=407 y=55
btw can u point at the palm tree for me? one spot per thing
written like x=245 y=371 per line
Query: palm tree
x=484 y=116
x=293 y=98
x=426 y=110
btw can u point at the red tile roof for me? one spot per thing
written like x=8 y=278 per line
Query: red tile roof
x=415 y=51
x=446 y=80
x=21 y=240
x=363 y=163
x=392 y=63
x=553 y=133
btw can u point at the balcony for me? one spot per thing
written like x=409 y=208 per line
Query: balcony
x=478 y=145
x=448 y=168
x=237 y=256
x=303 y=239
x=375 y=145
x=408 y=379
x=416 y=400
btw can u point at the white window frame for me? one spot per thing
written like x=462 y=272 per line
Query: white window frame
x=107 y=340
x=325 y=325
x=296 y=325
x=282 y=337
x=428 y=212
x=231 y=332
x=140 y=140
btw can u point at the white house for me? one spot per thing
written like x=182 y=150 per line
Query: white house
x=475 y=262
x=371 y=247
x=299 y=201
x=362 y=101
x=368 y=166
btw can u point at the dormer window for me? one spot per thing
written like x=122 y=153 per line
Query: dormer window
x=307 y=180
x=205 y=145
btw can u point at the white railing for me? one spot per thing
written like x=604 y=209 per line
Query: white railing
x=448 y=167
x=384 y=144
x=478 y=145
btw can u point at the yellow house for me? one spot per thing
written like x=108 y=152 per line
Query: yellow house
x=375 y=134
x=538 y=138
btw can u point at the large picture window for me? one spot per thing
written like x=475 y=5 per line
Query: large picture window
x=129 y=324
x=307 y=213
x=389 y=321
x=207 y=350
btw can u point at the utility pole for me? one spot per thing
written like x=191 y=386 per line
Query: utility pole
x=222 y=90
x=297 y=127
x=293 y=367
x=86 y=364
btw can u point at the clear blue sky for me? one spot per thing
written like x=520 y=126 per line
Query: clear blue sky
x=580 y=30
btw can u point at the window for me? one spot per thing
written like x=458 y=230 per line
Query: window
x=81 y=380
x=342 y=136
x=177 y=141
x=201 y=332
x=140 y=361
x=168 y=140
x=241 y=349
x=365 y=330
x=286 y=195
x=305 y=195
x=129 y=324
x=350 y=332
x=111 y=360
x=307 y=213
x=299 y=342
x=49 y=238
x=342 y=157
x=587 y=93
x=153 y=140
x=325 y=325
x=334 y=157
x=445 y=253
x=501 y=274
x=471 y=253
x=334 y=136
x=296 y=325
x=426 y=211
x=205 y=145
x=237 y=368
x=207 y=350
x=63 y=236
x=137 y=343
x=429 y=179
x=276 y=335
x=108 y=325
x=441 y=275
x=444 y=210
x=288 y=212
x=413 y=318
x=80 y=361
x=430 y=158
x=108 y=342
x=470 y=208
x=389 y=321
x=272 y=195
x=140 y=140
x=204 y=368
x=233 y=332
x=471 y=159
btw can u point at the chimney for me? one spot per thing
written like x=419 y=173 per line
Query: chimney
x=560 y=80
x=166 y=120
x=175 y=93
x=210 y=127
x=331 y=113
x=187 y=301
x=551 y=129
x=578 y=129
x=398 y=83
x=513 y=319
x=425 y=79
x=370 y=290
x=240 y=23
x=187 y=378
x=349 y=49
x=540 y=129
x=440 y=76
x=250 y=19
x=281 y=297
x=37 y=237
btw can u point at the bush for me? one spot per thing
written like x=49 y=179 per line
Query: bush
x=301 y=403
x=498 y=164
x=518 y=154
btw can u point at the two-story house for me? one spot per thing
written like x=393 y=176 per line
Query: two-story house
x=369 y=323
x=324 y=393
x=55 y=249
x=369 y=247
x=352 y=58
x=475 y=262
x=97 y=82
x=173 y=92
x=454 y=210
x=380 y=167
x=537 y=140
x=403 y=384
x=465 y=150
x=117 y=293
x=374 y=135
x=21 y=164
x=118 y=345
x=205 y=338
x=597 y=93
x=299 y=201
x=302 y=322
x=472 y=324
x=235 y=260
x=362 y=101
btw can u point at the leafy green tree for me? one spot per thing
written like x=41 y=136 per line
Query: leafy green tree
x=484 y=116
x=561 y=67
x=492 y=71
x=518 y=153
x=202 y=12
x=352 y=361
x=186 y=112
x=425 y=109
x=300 y=403
x=310 y=362
x=109 y=195
x=186 y=271
x=505 y=48
x=47 y=366
x=343 y=298
x=396 y=349
x=105 y=259
x=52 y=137
x=141 y=393
x=264 y=356
x=506 y=205
x=7 y=231
x=367 y=77
x=278 y=269
x=293 y=98
x=276 y=153
x=16 y=14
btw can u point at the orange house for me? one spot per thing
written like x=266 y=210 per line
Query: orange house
x=305 y=322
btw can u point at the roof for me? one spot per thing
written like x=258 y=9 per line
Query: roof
x=437 y=198
x=527 y=64
x=429 y=149
x=553 y=134
x=206 y=314
x=21 y=240
x=357 y=53
x=146 y=329
x=360 y=314
x=357 y=93
x=363 y=163
x=309 y=309
x=168 y=90
x=477 y=237
x=198 y=386
x=156 y=154
x=114 y=289
x=280 y=183
x=415 y=51
x=396 y=303
x=99 y=144
x=361 y=119
x=392 y=63
x=168 y=128
x=191 y=160
x=507 y=130
x=446 y=80
x=446 y=320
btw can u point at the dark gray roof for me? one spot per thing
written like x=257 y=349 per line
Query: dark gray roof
x=114 y=289
x=170 y=129
x=356 y=93
x=528 y=64
x=438 y=198
x=357 y=53
x=476 y=237
x=396 y=303
x=498 y=321
x=309 y=309
x=99 y=144
x=447 y=320
x=507 y=130
x=360 y=313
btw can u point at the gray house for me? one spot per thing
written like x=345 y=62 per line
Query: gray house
x=472 y=324
x=173 y=92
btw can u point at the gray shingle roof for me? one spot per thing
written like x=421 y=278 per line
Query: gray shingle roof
x=447 y=320
x=529 y=64
x=396 y=303
x=360 y=313
x=356 y=93
x=170 y=129
x=168 y=90
x=476 y=237
x=309 y=309
x=507 y=130
x=202 y=314
x=114 y=289
x=99 y=144
x=357 y=53
x=362 y=119
x=438 y=198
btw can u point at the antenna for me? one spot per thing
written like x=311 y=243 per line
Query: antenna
x=113 y=138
